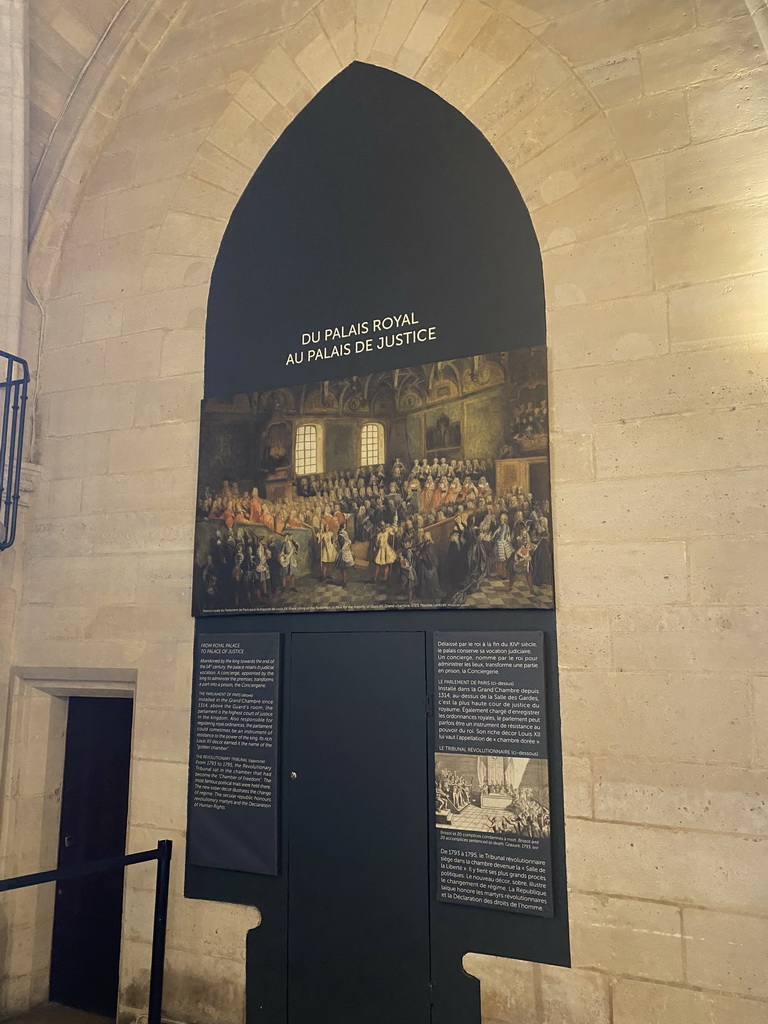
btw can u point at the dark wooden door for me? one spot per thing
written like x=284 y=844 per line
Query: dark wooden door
x=85 y=956
x=356 y=830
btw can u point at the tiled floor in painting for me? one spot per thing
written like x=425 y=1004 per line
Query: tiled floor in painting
x=493 y=593
x=361 y=592
x=52 y=1013
x=475 y=819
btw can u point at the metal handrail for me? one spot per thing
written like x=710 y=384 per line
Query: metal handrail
x=162 y=855
x=13 y=401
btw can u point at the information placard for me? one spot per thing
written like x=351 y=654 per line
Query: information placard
x=233 y=772
x=491 y=772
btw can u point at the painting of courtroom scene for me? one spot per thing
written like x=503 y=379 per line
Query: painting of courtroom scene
x=492 y=794
x=422 y=487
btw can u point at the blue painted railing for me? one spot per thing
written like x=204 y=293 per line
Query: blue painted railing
x=14 y=381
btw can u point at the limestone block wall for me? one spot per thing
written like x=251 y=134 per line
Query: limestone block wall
x=636 y=131
x=63 y=38
x=13 y=244
x=72 y=48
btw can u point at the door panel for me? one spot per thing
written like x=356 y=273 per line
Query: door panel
x=356 y=829
x=88 y=911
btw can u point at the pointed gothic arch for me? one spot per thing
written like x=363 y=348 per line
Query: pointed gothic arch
x=378 y=197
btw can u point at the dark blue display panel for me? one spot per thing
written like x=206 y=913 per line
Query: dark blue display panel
x=357 y=817
x=233 y=810
x=492 y=805
x=379 y=200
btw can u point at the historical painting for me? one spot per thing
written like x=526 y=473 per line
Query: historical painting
x=507 y=795
x=443 y=436
x=421 y=487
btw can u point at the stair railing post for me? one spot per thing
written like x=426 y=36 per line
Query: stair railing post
x=155 y=1009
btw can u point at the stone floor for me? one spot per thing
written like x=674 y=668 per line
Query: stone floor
x=55 y=1014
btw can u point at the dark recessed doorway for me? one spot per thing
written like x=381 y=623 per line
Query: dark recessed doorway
x=85 y=956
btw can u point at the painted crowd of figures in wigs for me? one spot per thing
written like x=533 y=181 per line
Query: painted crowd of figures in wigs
x=507 y=795
x=420 y=487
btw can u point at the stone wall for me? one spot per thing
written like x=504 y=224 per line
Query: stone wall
x=636 y=131
x=72 y=47
x=63 y=39
x=13 y=238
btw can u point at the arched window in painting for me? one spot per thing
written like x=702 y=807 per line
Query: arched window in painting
x=308 y=457
x=371 y=444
